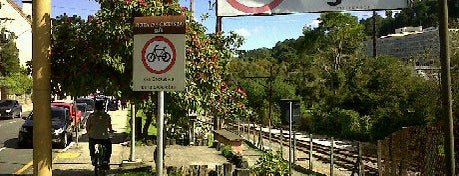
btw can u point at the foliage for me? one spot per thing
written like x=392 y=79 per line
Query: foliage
x=381 y=96
x=97 y=55
x=73 y=71
x=350 y=95
x=270 y=164
x=18 y=84
x=13 y=76
x=227 y=152
x=9 y=64
x=256 y=77
x=140 y=171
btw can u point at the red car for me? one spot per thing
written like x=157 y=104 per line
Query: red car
x=74 y=112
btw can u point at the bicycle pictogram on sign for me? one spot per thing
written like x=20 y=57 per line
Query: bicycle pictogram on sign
x=158 y=55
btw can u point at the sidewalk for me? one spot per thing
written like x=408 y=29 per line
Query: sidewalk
x=75 y=159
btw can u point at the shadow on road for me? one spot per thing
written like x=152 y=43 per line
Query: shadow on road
x=11 y=143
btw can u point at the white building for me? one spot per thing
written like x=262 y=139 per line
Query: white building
x=408 y=43
x=413 y=45
x=18 y=20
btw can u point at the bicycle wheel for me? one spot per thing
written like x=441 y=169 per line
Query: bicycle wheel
x=167 y=57
x=100 y=168
x=151 y=57
x=97 y=167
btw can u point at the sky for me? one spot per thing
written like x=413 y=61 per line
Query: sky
x=258 y=31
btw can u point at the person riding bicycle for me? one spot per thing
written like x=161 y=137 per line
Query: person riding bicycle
x=99 y=128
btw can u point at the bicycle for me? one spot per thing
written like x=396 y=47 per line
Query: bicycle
x=101 y=166
x=159 y=54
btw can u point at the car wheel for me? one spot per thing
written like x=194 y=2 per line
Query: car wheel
x=20 y=114
x=21 y=143
x=64 y=141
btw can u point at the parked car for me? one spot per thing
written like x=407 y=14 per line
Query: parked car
x=61 y=128
x=84 y=114
x=89 y=101
x=74 y=113
x=10 y=109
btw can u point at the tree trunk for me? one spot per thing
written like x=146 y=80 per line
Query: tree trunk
x=147 y=124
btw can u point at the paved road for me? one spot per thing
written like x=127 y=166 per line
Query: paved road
x=12 y=158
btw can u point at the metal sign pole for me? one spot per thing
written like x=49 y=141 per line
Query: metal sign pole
x=160 y=139
x=133 y=130
x=290 y=151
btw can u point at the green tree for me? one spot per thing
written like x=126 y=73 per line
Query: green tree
x=72 y=69
x=18 y=83
x=285 y=51
x=9 y=56
x=387 y=91
x=13 y=76
x=106 y=63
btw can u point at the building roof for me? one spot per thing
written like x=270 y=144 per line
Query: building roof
x=19 y=9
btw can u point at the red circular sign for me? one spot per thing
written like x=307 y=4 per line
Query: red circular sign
x=247 y=9
x=158 y=55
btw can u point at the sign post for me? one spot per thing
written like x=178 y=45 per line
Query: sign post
x=159 y=64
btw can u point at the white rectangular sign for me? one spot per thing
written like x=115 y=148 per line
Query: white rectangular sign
x=159 y=53
x=159 y=62
x=254 y=7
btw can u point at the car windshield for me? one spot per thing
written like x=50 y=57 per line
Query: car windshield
x=63 y=106
x=6 y=103
x=89 y=102
x=55 y=115
x=81 y=107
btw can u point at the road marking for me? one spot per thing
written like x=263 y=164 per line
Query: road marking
x=3 y=148
x=68 y=146
x=20 y=171
x=68 y=155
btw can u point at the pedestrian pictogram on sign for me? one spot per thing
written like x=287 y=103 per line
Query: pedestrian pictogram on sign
x=158 y=55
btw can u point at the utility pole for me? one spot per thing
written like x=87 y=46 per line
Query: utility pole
x=447 y=113
x=41 y=32
x=218 y=29
x=192 y=6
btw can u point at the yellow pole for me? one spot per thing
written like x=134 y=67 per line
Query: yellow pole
x=41 y=32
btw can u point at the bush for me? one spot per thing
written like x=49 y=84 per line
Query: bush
x=226 y=151
x=270 y=164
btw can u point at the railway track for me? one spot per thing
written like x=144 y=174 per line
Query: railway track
x=345 y=156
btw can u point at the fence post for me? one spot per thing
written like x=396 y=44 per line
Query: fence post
x=331 y=156
x=219 y=170
x=281 y=143
x=379 y=158
x=310 y=152
x=254 y=135
x=227 y=169
x=360 y=165
x=203 y=170
x=260 y=138
x=294 y=147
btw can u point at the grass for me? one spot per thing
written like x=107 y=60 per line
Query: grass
x=152 y=130
x=138 y=172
